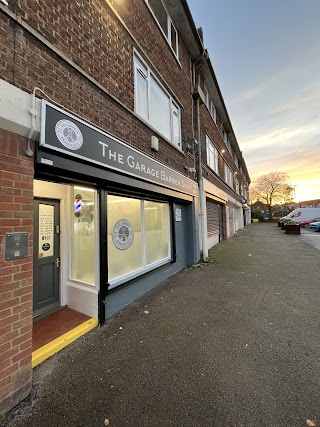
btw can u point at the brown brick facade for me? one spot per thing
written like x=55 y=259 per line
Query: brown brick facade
x=16 y=214
x=103 y=48
x=80 y=54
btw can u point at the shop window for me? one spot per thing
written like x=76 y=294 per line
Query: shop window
x=155 y=105
x=125 y=251
x=83 y=236
x=138 y=237
x=156 y=220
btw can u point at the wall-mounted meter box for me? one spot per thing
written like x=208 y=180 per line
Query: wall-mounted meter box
x=16 y=246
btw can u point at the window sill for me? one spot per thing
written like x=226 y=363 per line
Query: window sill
x=157 y=133
x=212 y=170
x=136 y=274
x=82 y=285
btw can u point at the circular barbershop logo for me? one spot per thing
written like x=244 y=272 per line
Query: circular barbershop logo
x=69 y=134
x=122 y=235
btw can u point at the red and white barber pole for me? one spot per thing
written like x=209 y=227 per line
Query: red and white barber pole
x=78 y=205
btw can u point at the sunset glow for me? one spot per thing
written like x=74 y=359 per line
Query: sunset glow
x=270 y=83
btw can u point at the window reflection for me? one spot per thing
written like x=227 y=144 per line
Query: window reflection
x=83 y=236
x=138 y=235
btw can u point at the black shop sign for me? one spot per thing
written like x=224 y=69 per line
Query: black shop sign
x=63 y=132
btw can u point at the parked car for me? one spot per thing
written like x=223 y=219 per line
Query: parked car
x=315 y=226
x=306 y=222
x=302 y=214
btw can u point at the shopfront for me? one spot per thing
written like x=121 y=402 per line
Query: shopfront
x=216 y=200
x=111 y=222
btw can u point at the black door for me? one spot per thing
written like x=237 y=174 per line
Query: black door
x=46 y=265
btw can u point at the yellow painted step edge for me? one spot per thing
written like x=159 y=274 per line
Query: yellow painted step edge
x=59 y=343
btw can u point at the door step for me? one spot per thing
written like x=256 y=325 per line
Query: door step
x=40 y=314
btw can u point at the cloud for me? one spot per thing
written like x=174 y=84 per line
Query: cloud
x=281 y=139
x=303 y=168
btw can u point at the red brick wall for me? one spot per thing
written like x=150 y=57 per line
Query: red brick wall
x=16 y=215
x=103 y=48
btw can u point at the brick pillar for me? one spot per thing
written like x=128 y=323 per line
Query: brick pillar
x=16 y=281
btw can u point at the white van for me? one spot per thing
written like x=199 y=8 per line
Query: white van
x=302 y=214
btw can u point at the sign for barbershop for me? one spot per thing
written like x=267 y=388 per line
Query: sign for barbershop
x=63 y=132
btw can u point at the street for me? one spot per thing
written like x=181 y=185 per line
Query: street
x=234 y=342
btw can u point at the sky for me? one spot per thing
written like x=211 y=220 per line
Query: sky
x=266 y=57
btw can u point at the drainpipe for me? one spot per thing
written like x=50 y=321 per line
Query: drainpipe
x=33 y=112
x=202 y=202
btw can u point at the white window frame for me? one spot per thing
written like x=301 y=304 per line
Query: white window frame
x=237 y=186
x=226 y=139
x=170 y=24
x=212 y=153
x=175 y=111
x=210 y=104
x=228 y=176
x=146 y=267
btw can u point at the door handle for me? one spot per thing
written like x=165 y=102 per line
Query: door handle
x=57 y=262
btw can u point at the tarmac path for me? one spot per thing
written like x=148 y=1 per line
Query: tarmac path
x=231 y=343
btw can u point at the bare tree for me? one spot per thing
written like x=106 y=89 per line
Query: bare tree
x=272 y=188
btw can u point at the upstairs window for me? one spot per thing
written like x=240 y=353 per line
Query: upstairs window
x=165 y=23
x=209 y=104
x=228 y=175
x=212 y=155
x=237 y=186
x=226 y=140
x=155 y=105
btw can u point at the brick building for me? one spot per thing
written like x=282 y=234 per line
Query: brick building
x=102 y=123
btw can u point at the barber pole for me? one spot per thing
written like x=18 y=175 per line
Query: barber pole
x=78 y=204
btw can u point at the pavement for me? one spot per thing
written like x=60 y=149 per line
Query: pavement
x=234 y=342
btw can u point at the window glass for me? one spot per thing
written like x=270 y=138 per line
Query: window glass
x=228 y=176
x=155 y=105
x=83 y=236
x=205 y=92
x=212 y=155
x=156 y=217
x=175 y=125
x=237 y=186
x=141 y=92
x=160 y=14
x=159 y=109
x=125 y=252
x=174 y=44
x=165 y=23
x=138 y=236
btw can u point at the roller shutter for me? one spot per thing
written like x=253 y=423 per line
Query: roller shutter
x=212 y=217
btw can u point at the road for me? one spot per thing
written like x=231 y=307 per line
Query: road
x=311 y=237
